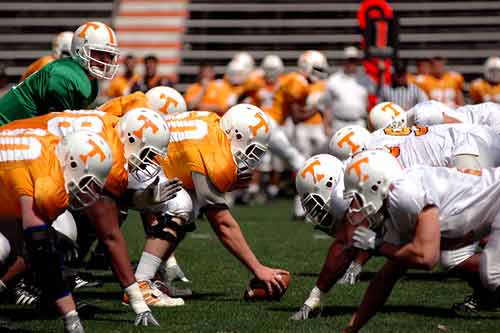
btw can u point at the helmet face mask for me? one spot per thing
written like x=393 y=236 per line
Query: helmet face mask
x=84 y=193
x=250 y=157
x=360 y=211
x=317 y=210
x=98 y=68
x=144 y=166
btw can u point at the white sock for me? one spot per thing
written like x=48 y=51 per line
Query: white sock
x=148 y=265
x=171 y=261
x=3 y=287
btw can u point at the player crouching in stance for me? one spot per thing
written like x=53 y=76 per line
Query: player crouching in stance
x=42 y=177
x=211 y=155
x=420 y=210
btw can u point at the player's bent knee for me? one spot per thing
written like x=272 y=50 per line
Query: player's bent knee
x=46 y=261
x=169 y=228
x=66 y=225
x=4 y=249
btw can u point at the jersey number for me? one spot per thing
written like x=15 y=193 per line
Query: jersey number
x=405 y=131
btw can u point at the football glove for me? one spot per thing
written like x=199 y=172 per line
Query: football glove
x=351 y=276
x=366 y=239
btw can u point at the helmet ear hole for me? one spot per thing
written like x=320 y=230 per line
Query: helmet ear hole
x=73 y=165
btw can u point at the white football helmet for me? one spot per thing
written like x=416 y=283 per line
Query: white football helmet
x=246 y=59
x=96 y=37
x=272 y=66
x=387 y=114
x=166 y=100
x=4 y=249
x=367 y=179
x=321 y=177
x=237 y=72
x=145 y=136
x=492 y=69
x=86 y=161
x=348 y=141
x=249 y=129
x=61 y=44
x=313 y=65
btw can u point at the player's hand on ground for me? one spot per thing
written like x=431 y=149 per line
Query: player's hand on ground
x=307 y=312
x=351 y=276
x=271 y=277
x=146 y=318
x=175 y=273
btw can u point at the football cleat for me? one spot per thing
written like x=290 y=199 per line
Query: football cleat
x=474 y=306
x=306 y=312
x=26 y=294
x=86 y=280
x=154 y=297
x=172 y=291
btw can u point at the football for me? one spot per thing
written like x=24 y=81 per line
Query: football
x=257 y=290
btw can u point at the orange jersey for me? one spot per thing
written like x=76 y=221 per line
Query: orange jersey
x=120 y=105
x=191 y=92
x=36 y=66
x=315 y=91
x=120 y=85
x=293 y=88
x=444 y=89
x=198 y=144
x=63 y=123
x=482 y=91
x=219 y=93
x=29 y=167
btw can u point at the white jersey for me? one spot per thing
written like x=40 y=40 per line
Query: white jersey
x=487 y=114
x=431 y=113
x=468 y=204
x=436 y=146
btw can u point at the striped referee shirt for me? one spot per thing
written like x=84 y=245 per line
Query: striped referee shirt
x=404 y=96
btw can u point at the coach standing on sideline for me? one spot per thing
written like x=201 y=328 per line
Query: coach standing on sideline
x=400 y=91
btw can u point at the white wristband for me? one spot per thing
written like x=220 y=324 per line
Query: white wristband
x=135 y=298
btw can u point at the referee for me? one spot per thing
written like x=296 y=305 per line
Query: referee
x=400 y=91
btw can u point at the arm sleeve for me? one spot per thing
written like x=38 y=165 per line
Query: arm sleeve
x=406 y=201
x=207 y=196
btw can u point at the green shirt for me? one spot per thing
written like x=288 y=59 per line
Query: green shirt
x=60 y=85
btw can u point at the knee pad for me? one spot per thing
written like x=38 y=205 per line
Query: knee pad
x=66 y=225
x=168 y=227
x=46 y=261
x=4 y=249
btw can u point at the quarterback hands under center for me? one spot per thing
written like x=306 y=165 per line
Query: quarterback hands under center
x=366 y=239
x=271 y=277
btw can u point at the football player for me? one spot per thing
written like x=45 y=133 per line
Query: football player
x=319 y=200
x=460 y=145
x=443 y=86
x=104 y=213
x=67 y=83
x=211 y=155
x=43 y=176
x=418 y=210
x=487 y=89
x=61 y=48
x=432 y=113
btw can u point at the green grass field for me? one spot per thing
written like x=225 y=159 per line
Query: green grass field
x=420 y=302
